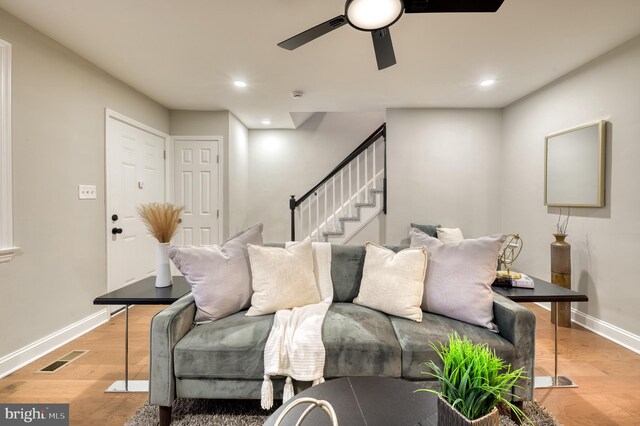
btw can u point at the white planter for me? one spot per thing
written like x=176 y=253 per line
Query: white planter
x=163 y=268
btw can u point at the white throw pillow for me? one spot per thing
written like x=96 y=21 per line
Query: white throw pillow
x=283 y=278
x=450 y=235
x=220 y=276
x=459 y=277
x=393 y=282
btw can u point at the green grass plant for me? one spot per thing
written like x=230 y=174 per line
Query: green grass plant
x=473 y=379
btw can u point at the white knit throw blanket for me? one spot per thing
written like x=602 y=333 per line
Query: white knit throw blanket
x=294 y=348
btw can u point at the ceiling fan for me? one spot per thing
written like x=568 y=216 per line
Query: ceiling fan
x=376 y=16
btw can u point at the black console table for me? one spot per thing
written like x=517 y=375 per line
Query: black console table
x=143 y=292
x=544 y=291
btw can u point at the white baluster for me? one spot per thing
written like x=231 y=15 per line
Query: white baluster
x=309 y=228
x=325 y=207
x=375 y=171
x=342 y=192
x=333 y=208
x=350 y=191
x=366 y=175
x=358 y=179
x=317 y=217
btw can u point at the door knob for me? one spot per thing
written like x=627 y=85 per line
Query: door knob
x=115 y=231
x=114 y=217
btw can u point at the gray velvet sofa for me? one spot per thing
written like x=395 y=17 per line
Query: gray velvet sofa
x=224 y=359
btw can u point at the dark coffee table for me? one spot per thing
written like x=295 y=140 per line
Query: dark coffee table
x=365 y=401
x=143 y=292
x=544 y=291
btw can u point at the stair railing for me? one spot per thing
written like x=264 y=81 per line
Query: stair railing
x=336 y=195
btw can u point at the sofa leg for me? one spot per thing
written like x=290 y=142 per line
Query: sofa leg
x=165 y=416
x=520 y=405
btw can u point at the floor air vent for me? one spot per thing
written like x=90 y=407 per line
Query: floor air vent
x=59 y=363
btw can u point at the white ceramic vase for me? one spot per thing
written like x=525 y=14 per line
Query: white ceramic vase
x=163 y=268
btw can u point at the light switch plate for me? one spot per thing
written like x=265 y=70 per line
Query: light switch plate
x=87 y=192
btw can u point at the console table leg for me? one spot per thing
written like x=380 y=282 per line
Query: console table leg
x=555 y=345
x=127 y=385
x=126 y=348
x=554 y=381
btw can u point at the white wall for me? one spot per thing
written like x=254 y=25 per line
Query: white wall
x=59 y=102
x=443 y=168
x=290 y=162
x=238 y=175
x=605 y=241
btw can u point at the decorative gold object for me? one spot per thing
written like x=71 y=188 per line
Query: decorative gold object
x=511 y=249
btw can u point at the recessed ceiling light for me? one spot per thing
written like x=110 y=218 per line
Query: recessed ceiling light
x=266 y=121
x=487 y=83
x=239 y=83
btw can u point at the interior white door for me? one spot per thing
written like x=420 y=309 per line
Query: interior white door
x=136 y=175
x=197 y=188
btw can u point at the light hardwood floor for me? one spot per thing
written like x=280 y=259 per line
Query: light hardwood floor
x=607 y=374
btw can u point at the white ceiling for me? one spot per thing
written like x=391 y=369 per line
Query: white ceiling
x=185 y=54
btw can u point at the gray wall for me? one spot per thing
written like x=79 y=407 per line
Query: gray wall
x=605 y=241
x=59 y=103
x=443 y=168
x=287 y=162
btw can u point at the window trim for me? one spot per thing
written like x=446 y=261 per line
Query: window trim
x=7 y=249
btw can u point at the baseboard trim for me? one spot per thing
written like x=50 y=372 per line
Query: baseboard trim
x=608 y=331
x=23 y=356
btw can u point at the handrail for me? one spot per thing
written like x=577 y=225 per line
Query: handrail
x=370 y=140
x=380 y=131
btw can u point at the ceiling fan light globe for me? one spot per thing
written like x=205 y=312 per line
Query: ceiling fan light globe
x=370 y=15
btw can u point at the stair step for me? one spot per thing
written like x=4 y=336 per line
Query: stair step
x=349 y=219
x=328 y=233
x=376 y=190
x=366 y=204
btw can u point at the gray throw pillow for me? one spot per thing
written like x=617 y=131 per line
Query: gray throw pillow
x=220 y=276
x=459 y=277
x=430 y=230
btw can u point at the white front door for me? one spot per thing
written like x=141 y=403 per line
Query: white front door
x=135 y=175
x=197 y=188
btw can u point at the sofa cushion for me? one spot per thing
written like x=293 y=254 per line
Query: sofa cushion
x=414 y=340
x=347 y=264
x=430 y=230
x=229 y=348
x=459 y=277
x=393 y=282
x=283 y=278
x=450 y=235
x=359 y=342
x=219 y=276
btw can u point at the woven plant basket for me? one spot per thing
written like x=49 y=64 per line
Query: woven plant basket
x=449 y=416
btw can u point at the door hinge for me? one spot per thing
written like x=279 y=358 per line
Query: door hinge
x=217 y=159
x=164 y=153
x=217 y=214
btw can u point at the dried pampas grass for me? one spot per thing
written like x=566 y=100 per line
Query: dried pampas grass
x=161 y=219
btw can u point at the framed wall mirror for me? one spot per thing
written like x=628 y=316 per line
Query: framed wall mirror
x=574 y=167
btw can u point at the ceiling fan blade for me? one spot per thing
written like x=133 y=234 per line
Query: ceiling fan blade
x=383 y=47
x=451 y=6
x=313 y=33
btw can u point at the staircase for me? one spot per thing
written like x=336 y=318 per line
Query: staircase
x=348 y=198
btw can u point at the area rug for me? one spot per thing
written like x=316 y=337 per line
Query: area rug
x=198 y=412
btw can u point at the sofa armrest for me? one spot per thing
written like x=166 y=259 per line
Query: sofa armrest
x=167 y=328
x=517 y=324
